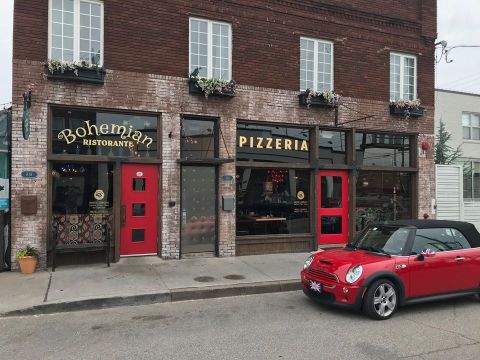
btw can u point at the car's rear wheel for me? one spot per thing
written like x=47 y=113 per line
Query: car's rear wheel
x=381 y=300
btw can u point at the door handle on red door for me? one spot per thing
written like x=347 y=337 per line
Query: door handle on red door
x=123 y=215
x=459 y=258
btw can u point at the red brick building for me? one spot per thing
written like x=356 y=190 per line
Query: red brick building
x=126 y=147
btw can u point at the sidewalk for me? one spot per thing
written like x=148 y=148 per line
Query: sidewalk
x=146 y=280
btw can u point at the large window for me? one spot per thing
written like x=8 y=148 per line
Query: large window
x=403 y=77
x=82 y=201
x=438 y=240
x=210 y=48
x=383 y=150
x=471 y=126
x=76 y=31
x=471 y=180
x=81 y=132
x=383 y=196
x=199 y=139
x=272 y=201
x=316 y=65
x=270 y=143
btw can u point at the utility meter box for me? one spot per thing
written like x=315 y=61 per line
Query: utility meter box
x=228 y=202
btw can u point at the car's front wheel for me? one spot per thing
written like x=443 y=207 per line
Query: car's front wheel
x=381 y=300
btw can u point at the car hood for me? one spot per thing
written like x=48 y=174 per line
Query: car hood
x=339 y=261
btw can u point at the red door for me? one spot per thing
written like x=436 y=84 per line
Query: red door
x=333 y=207
x=139 y=209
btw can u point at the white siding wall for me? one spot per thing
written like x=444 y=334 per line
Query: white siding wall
x=450 y=204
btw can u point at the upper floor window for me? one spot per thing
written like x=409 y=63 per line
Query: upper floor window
x=471 y=126
x=76 y=31
x=211 y=48
x=403 y=77
x=316 y=65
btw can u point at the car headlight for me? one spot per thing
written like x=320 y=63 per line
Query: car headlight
x=354 y=274
x=308 y=262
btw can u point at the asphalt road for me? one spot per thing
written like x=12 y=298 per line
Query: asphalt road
x=273 y=326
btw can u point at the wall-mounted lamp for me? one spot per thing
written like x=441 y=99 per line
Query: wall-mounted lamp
x=425 y=146
x=170 y=134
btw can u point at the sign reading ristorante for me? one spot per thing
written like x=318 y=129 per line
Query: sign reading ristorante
x=272 y=143
x=88 y=132
x=127 y=136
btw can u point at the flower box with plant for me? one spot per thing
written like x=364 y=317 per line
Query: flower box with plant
x=27 y=258
x=75 y=71
x=319 y=98
x=210 y=87
x=406 y=108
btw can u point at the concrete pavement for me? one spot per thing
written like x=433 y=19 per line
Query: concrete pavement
x=146 y=280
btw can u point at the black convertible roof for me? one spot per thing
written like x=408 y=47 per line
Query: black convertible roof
x=467 y=229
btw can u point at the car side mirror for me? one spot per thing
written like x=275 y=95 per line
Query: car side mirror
x=420 y=257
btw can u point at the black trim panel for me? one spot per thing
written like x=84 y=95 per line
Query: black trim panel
x=444 y=296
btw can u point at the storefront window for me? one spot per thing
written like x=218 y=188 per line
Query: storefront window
x=99 y=133
x=383 y=150
x=272 y=143
x=332 y=147
x=82 y=201
x=198 y=139
x=383 y=196
x=272 y=201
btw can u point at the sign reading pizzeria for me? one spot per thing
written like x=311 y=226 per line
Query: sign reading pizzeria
x=271 y=143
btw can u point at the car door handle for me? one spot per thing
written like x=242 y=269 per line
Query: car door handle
x=459 y=258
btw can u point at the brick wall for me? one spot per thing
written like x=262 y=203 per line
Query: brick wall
x=169 y=97
x=265 y=39
x=146 y=56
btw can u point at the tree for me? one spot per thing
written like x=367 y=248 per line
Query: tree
x=444 y=153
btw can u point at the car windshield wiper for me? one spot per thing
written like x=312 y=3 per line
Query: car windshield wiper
x=374 y=249
x=351 y=246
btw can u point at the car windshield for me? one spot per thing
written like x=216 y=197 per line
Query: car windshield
x=384 y=239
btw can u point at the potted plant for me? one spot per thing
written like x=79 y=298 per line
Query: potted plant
x=75 y=71
x=27 y=258
x=218 y=87
x=319 y=98
x=406 y=108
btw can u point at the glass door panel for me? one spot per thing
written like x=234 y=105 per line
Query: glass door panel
x=199 y=210
x=333 y=207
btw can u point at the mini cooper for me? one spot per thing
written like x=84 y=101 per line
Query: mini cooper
x=397 y=263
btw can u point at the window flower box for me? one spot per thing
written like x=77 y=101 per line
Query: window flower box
x=406 y=108
x=210 y=87
x=77 y=71
x=321 y=99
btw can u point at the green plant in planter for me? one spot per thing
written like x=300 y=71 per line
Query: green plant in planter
x=213 y=86
x=27 y=251
x=330 y=97
x=58 y=66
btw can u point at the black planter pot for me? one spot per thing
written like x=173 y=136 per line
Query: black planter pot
x=318 y=101
x=407 y=112
x=193 y=88
x=96 y=76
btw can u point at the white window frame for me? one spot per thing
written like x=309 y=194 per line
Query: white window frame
x=210 y=45
x=315 y=61
x=76 y=29
x=402 y=72
x=470 y=113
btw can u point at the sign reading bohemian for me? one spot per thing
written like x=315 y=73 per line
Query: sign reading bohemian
x=128 y=136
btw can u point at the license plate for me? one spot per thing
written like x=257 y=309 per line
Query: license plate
x=315 y=286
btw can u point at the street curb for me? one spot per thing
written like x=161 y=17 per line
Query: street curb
x=173 y=295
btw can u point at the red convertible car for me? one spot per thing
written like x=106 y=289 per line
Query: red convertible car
x=397 y=263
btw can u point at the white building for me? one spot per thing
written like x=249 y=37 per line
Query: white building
x=460 y=112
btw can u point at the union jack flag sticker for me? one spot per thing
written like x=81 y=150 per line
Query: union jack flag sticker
x=427 y=251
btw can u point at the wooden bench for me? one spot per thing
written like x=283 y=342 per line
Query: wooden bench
x=62 y=242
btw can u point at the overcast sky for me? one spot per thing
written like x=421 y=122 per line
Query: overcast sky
x=457 y=24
